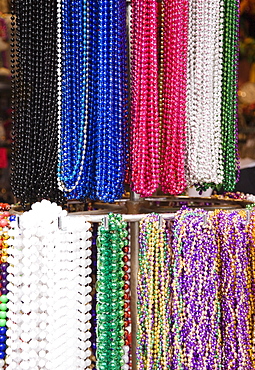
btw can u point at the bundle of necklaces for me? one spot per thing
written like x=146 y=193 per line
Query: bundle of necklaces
x=196 y=291
x=71 y=137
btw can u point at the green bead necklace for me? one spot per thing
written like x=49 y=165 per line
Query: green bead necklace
x=112 y=238
x=229 y=93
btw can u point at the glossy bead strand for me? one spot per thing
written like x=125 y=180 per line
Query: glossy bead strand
x=195 y=257
x=204 y=163
x=5 y=241
x=144 y=156
x=174 y=60
x=34 y=161
x=112 y=110
x=127 y=306
x=48 y=265
x=73 y=112
x=229 y=93
x=110 y=293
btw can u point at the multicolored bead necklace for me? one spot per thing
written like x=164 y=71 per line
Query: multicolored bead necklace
x=210 y=287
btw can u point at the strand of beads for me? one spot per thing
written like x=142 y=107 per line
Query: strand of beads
x=49 y=265
x=93 y=303
x=204 y=163
x=127 y=314
x=144 y=156
x=153 y=304
x=112 y=90
x=229 y=93
x=110 y=293
x=174 y=59
x=195 y=292
x=251 y=239
x=69 y=335
x=73 y=121
x=34 y=160
x=5 y=221
x=236 y=299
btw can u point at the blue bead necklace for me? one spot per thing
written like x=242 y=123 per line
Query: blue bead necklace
x=74 y=95
x=111 y=150
x=93 y=124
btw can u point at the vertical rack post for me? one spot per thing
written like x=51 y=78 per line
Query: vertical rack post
x=134 y=230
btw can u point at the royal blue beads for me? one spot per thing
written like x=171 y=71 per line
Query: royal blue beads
x=93 y=134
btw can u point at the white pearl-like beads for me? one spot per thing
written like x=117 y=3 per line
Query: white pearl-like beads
x=49 y=291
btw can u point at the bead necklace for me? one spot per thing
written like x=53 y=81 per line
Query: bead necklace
x=144 y=156
x=251 y=238
x=174 y=60
x=5 y=241
x=73 y=113
x=204 y=162
x=195 y=295
x=127 y=309
x=153 y=304
x=110 y=293
x=235 y=292
x=112 y=100
x=34 y=159
x=93 y=302
x=229 y=93
x=49 y=265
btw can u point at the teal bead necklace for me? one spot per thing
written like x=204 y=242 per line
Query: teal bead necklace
x=229 y=93
x=112 y=238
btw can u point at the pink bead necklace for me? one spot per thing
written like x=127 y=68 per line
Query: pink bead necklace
x=174 y=61
x=145 y=127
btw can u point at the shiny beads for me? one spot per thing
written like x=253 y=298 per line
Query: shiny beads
x=229 y=92
x=173 y=96
x=207 y=304
x=145 y=136
x=110 y=294
x=93 y=115
x=34 y=101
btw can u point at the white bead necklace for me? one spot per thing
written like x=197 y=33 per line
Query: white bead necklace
x=204 y=154
x=49 y=292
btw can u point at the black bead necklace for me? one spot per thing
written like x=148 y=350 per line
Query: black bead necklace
x=34 y=161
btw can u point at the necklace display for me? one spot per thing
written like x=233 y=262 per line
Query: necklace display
x=70 y=99
x=236 y=294
x=34 y=160
x=112 y=238
x=94 y=298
